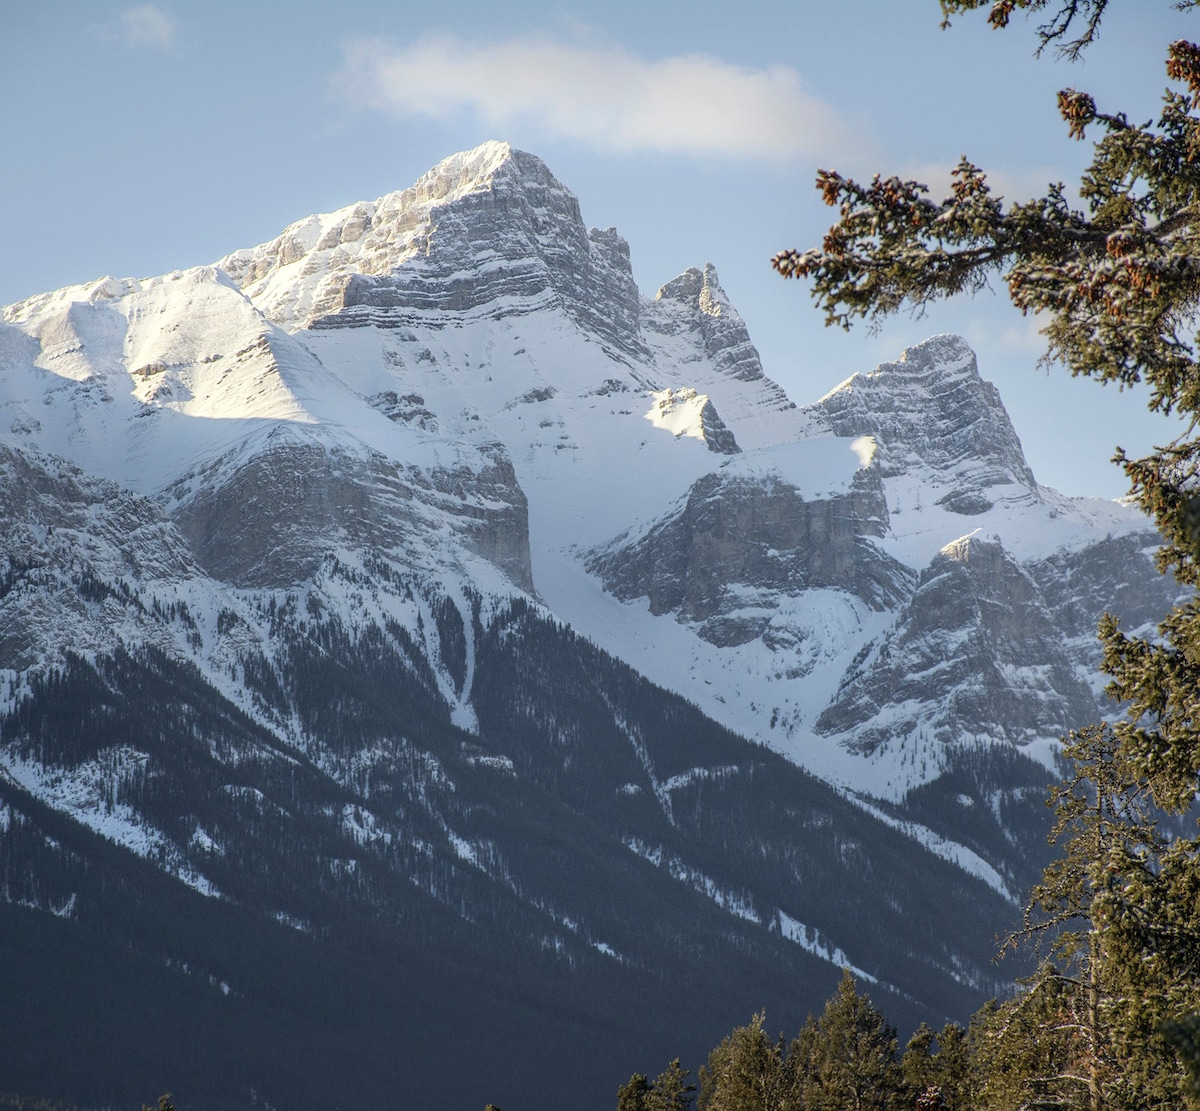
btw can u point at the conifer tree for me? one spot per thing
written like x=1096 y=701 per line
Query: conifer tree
x=1095 y=1005
x=937 y=1062
x=746 y=1072
x=672 y=1090
x=635 y=1095
x=1020 y=1053
x=1078 y=17
x=846 y=1059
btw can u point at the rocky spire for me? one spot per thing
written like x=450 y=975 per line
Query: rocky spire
x=696 y=302
x=931 y=411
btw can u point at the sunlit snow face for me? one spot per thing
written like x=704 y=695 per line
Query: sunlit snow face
x=864 y=448
x=678 y=412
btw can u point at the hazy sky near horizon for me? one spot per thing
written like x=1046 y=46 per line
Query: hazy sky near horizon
x=141 y=138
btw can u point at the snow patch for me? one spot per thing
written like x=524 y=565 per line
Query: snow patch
x=811 y=940
x=86 y=792
x=966 y=859
x=729 y=901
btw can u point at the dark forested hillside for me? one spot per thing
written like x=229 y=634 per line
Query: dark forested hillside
x=599 y=869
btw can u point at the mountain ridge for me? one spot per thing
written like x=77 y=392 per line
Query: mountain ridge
x=459 y=444
x=459 y=555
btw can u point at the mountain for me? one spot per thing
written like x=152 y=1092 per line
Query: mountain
x=412 y=639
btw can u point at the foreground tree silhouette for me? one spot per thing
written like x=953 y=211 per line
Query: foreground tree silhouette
x=1080 y=18
x=1118 y=283
x=1087 y=1031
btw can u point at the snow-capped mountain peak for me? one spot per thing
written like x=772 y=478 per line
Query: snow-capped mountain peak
x=931 y=410
x=367 y=481
x=486 y=233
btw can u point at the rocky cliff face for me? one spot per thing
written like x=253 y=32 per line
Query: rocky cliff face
x=694 y=305
x=490 y=231
x=83 y=563
x=694 y=326
x=1107 y=576
x=933 y=415
x=269 y=518
x=975 y=653
x=741 y=540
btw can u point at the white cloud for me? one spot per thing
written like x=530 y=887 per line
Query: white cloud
x=604 y=96
x=148 y=26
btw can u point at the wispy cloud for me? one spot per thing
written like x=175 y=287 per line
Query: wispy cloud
x=601 y=95
x=148 y=26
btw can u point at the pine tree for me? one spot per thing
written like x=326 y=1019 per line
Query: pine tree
x=1094 y=1006
x=746 y=1072
x=1119 y=283
x=846 y=1059
x=635 y=1095
x=1021 y=1052
x=670 y=1091
x=1082 y=16
x=937 y=1063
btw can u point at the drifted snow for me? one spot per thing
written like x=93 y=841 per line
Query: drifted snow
x=83 y=793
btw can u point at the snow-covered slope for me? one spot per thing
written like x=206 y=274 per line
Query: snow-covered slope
x=461 y=375
x=373 y=436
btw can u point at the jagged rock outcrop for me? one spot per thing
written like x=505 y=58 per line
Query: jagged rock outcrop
x=1079 y=584
x=488 y=231
x=932 y=413
x=974 y=655
x=695 y=304
x=686 y=411
x=692 y=318
x=740 y=539
x=83 y=563
x=1110 y=575
x=717 y=433
x=268 y=519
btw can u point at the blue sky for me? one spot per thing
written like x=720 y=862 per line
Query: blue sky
x=141 y=138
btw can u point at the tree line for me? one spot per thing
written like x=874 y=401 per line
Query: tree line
x=1107 y=1022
